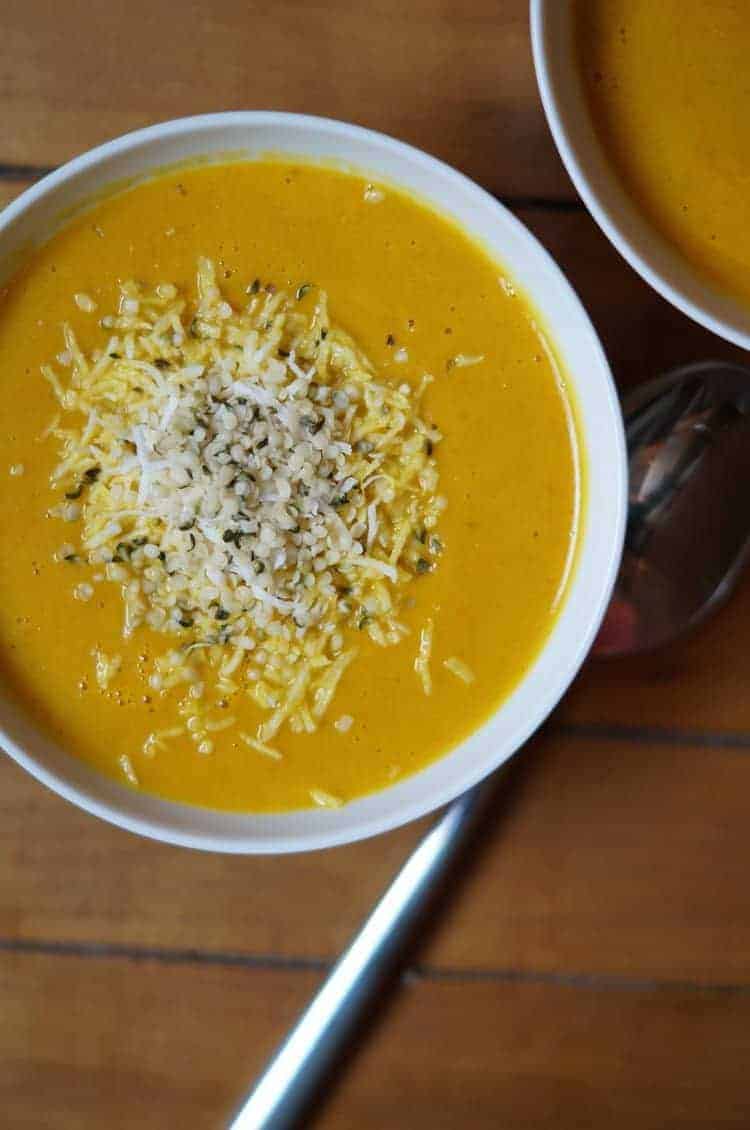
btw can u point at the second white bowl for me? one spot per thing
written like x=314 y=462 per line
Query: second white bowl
x=655 y=259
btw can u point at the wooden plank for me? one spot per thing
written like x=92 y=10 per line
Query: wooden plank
x=122 y=888
x=87 y=1043
x=148 y=1045
x=614 y=858
x=456 y=80
x=533 y=1057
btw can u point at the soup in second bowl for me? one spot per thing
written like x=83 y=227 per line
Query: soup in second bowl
x=667 y=85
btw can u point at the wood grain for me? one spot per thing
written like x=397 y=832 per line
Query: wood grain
x=147 y=1045
x=611 y=858
x=593 y=964
x=454 y=79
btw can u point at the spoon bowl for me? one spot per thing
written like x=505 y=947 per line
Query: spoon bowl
x=688 y=531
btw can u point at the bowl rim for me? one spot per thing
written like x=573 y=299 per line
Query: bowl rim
x=633 y=248
x=98 y=795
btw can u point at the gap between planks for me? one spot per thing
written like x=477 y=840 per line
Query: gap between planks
x=422 y=973
x=736 y=740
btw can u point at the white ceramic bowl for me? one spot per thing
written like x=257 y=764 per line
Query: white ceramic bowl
x=655 y=259
x=34 y=216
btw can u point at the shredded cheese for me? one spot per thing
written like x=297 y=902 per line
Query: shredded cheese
x=261 y=747
x=158 y=739
x=324 y=799
x=256 y=489
x=128 y=771
x=464 y=360
x=458 y=668
x=373 y=195
x=105 y=667
x=424 y=653
x=84 y=302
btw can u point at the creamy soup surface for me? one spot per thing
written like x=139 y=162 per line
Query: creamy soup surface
x=667 y=83
x=415 y=294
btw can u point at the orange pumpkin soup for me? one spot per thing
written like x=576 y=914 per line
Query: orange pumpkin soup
x=294 y=508
x=666 y=81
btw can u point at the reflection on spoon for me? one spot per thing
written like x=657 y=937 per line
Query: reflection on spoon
x=688 y=533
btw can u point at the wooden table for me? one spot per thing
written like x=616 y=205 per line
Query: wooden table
x=594 y=967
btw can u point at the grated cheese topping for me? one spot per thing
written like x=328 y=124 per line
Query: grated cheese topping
x=324 y=799
x=129 y=773
x=424 y=654
x=458 y=668
x=257 y=490
x=464 y=360
x=105 y=667
x=373 y=195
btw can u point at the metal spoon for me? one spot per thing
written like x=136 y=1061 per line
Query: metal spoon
x=688 y=533
x=688 y=537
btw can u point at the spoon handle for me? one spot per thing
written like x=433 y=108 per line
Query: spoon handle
x=283 y=1093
